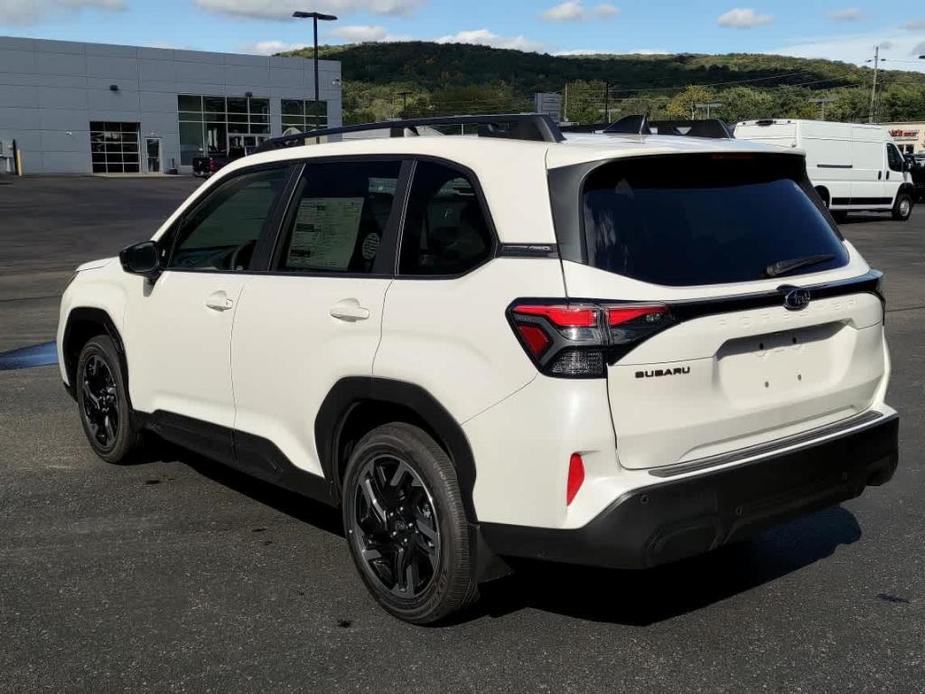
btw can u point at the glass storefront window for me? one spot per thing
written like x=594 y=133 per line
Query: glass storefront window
x=191 y=142
x=208 y=124
x=186 y=102
x=214 y=104
x=304 y=115
x=259 y=107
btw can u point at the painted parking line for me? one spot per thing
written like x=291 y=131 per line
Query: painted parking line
x=44 y=354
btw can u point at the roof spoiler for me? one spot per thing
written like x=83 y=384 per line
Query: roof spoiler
x=630 y=125
x=641 y=125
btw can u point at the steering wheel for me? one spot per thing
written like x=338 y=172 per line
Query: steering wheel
x=240 y=251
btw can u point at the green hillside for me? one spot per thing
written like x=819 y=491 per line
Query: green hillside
x=383 y=80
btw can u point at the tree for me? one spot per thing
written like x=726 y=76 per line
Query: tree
x=744 y=103
x=683 y=105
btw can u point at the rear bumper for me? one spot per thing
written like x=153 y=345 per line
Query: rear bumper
x=674 y=519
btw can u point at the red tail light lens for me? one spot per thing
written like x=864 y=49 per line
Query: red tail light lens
x=563 y=316
x=576 y=477
x=534 y=338
x=617 y=315
x=579 y=340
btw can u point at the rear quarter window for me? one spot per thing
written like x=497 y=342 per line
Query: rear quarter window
x=703 y=219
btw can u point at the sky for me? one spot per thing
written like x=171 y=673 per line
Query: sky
x=831 y=29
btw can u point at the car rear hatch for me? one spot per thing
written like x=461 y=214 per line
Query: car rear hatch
x=758 y=321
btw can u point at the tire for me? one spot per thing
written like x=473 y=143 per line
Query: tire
x=403 y=509
x=902 y=208
x=103 y=401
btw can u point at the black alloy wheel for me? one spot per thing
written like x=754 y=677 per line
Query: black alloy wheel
x=100 y=406
x=102 y=399
x=395 y=527
x=406 y=524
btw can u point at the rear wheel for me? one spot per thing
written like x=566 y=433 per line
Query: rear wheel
x=103 y=402
x=406 y=525
x=902 y=208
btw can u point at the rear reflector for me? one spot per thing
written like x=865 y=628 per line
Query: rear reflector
x=576 y=477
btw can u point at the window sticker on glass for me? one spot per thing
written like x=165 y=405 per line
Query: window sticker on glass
x=325 y=233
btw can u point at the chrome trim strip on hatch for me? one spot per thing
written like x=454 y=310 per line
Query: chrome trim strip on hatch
x=859 y=422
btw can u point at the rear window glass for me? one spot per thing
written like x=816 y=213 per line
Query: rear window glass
x=691 y=220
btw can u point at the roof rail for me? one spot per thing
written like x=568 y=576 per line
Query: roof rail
x=537 y=127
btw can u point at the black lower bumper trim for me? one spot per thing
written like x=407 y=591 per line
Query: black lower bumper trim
x=683 y=517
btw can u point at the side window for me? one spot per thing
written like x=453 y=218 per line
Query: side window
x=222 y=231
x=446 y=232
x=894 y=158
x=339 y=215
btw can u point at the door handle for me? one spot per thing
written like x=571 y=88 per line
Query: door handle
x=349 y=310
x=219 y=301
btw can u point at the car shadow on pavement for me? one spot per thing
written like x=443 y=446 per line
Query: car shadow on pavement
x=297 y=506
x=633 y=598
x=640 y=598
x=866 y=219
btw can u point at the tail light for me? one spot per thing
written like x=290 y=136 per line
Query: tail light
x=579 y=340
x=213 y=165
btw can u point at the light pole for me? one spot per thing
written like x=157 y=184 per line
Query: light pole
x=315 y=17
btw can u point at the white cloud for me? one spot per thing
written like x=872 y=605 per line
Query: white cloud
x=899 y=46
x=574 y=10
x=743 y=18
x=849 y=14
x=24 y=12
x=915 y=25
x=484 y=37
x=366 y=33
x=270 y=47
x=283 y=9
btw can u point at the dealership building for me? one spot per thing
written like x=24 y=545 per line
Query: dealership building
x=81 y=108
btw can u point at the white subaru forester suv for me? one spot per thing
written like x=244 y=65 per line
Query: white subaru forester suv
x=617 y=350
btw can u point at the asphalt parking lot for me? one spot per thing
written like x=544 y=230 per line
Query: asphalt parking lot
x=176 y=575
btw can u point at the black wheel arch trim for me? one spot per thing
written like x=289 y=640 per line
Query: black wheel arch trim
x=348 y=393
x=99 y=317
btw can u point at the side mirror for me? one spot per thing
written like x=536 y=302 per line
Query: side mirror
x=142 y=259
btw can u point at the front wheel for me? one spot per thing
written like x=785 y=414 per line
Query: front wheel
x=902 y=208
x=103 y=401
x=406 y=525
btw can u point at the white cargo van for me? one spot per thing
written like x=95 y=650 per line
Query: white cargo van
x=853 y=167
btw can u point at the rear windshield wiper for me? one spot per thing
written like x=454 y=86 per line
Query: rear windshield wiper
x=782 y=267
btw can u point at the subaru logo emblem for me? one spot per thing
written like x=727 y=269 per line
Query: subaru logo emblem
x=795 y=299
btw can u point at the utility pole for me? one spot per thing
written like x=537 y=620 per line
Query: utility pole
x=822 y=102
x=565 y=105
x=873 y=89
x=607 y=102
x=404 y=102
